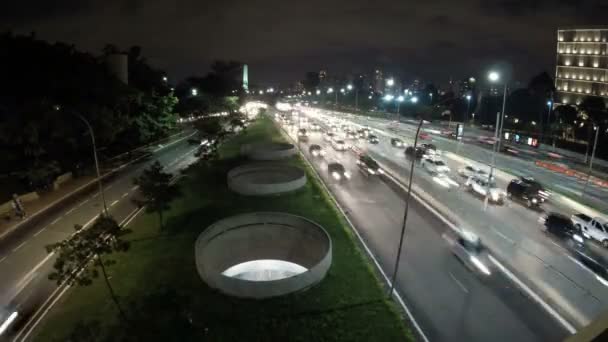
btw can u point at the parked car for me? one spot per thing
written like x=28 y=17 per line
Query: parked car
x=434 y=165
x=316 y=150
x=396 y=142
x=479 y=185
x=338 y=172
x=372 y=139
x=368 y=166
x=561 y=226
x=523 y=192
x=592 y=228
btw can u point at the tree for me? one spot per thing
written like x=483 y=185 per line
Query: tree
x=565 y=115
x=156 y=188
x=593 y=109
x=81 y=256
x=311 y=82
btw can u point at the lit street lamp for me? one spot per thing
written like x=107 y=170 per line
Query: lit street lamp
x=194 y=91
x=597 y=132
x=165 y=78
x=400 y=99
x=318 y=92
x=414 y=99
x=390 y=82
x=349 y=87
x=494 y=76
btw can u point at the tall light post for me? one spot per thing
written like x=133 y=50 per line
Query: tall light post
x=494 y=77
x=92 y=134
x=388 y=98
x=400 y=99
x=350 y=87
x=542 y=126
x=597 y=132
x=331 y=90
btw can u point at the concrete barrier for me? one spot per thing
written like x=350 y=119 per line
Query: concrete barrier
x=268 y=151
x=261 y=179
x=263 y=236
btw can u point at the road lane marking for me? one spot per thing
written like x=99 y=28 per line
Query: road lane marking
x=40 y=231
x=502 y=235
x=113 y=203
x=20 y=245
x=3 y=258
x=534 y=296
x=55 y=221
x=135 y=188
x=558 y=246
x=125 y=195
x=69 y=211
x=85 y=201
x=459 y=283
x=109 y=186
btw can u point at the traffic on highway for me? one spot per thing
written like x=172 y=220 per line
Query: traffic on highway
x=480 y=236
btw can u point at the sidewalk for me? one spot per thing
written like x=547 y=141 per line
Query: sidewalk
x=49 y=199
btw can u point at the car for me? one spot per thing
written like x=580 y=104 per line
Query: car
x=338 y=172
x=542 y=192
x=8 y=318
x=302 y=134
x=414 y=153
x=469 y=170
x=339 y=145
x=396 y=142
x=467 y=247
x=363 y=132
x=316 y=150
x=479 y=185
x=561 y=227
x=329 y=136
x=424 y=136
x=522 y=192
x=368 y=166
x=351 y=135
x=428 y=147
x=592 y=228
x=315 y=127
x=372 y=139
x=434 y=165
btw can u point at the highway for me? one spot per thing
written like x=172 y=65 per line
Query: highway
x=448 y=300
x=511 y=231
x=24 y=262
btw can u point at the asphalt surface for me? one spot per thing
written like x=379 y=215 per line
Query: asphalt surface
x=511 y=232
x=448 y=299
x=24 y=262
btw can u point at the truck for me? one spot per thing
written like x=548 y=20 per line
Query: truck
x=592 y=228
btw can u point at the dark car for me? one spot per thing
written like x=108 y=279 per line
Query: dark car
x=396 y=142
x=426 y=147
x=561 y=227
x=194 y=141
x=368 y=166
x=338 y=172
x=522 y=192
x=530 y=181
x=412 y=153
x=316 y=150
x=302 y=134
x=372 y=139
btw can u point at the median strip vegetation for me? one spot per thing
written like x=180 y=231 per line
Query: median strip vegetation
x=165 y=299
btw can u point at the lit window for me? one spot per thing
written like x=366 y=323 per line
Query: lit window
x=595 y=78
x=578 y=102
x=565 y=101
x=587 y=78
x=567 y=62
x=588 y=39
x=588 y=91
x=597 y=52
x=597 y=39
x=561 y=51
x=561 y=38
x=575 y=38
x=581 y=63
x=596 y=64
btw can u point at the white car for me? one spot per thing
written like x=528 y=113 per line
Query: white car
x=329 y=136
x=434 y=165
x=470 y=170
x=479 y=185
x=592 y=228
x=339 y=145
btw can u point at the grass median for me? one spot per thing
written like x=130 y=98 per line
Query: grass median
x=165 y=299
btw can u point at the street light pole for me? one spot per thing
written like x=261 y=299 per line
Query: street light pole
x=103 y=198
x=407 y=206
x=597 y=132
x=502 y=116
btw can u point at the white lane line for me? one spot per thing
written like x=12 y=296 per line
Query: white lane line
x=125 y=195
x=459 y=283
x=534 y=296
x=55 y=221
x=558 y=246
x=85 y=201
x=69 y=211
x=3 y=258
x=502 y=235
x=20 y=245
x=40 y=231
x=113 y=203
x=135 y=188
x=109 y=186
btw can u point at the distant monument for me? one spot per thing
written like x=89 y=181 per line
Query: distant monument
x=245 y=78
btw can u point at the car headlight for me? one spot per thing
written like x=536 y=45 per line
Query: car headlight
x=347 y=174
x=322 y=152
x=371 y=171
x=494 y=196
x=483 y=268
x=534 y=200
x=380 y=171
x=336 y=175
x=578 y=238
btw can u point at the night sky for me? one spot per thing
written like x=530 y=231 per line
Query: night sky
x=280 y=40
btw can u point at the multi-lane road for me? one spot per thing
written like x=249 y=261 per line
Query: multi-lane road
x=448 y=299
x=24 y=262
x=560 y=279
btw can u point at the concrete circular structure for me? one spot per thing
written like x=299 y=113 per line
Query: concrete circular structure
x=261 y=179
x=263 y=254
x=269 y=151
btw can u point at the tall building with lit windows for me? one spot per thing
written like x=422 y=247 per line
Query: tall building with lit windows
x=582 y=64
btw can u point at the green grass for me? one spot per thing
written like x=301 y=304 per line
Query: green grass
x=160 y=289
